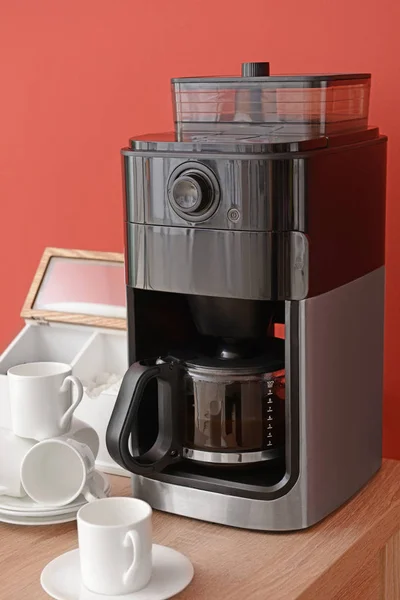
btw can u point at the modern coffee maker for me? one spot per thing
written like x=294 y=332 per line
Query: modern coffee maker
x=255 y=237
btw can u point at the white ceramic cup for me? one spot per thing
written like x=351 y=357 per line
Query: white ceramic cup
x=85 y=434
x=41 y=399
x=115 y=545
x=55 y=472
x=12 y=452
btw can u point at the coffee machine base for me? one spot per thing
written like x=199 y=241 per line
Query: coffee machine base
x=340 y=441
x=288 y=513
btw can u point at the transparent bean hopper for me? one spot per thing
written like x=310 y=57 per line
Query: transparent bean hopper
x=258 y=107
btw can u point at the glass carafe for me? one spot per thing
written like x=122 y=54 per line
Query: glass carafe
x=222 y=412
x=233 y=415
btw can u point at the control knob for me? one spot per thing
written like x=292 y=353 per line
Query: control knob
x=193 y=194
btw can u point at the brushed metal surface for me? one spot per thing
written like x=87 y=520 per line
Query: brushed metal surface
x=308 y=193
x=342 y=365
x=135 y=188
x=229 y=457
x=249 y=139
x=340 y=413
x=249 y=186
x=244 y=263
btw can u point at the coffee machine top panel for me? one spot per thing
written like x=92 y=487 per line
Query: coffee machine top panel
x=216 y=140
x=302 y=106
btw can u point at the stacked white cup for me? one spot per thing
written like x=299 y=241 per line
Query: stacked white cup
x=40 y=456
x=44 y=457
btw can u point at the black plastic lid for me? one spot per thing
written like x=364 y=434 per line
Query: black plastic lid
x=255 y=69
x=261 y=71
x=278 y=78
x=269 y=363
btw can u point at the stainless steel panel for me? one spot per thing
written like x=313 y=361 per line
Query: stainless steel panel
x=276 y=515
x=244 y=263
x=342 y=376
x=268 y=194
x=136 y=182
x=295 y=262
x=307 y=193
x=340 y=410
x=136 y=250
x=253 y=140
x=229 y=457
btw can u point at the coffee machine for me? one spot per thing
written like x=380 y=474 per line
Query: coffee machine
x=255 y=237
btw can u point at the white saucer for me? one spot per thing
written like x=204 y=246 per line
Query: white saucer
x=37 y=521
x=172 y=572
x=26 y=507
x=25 y=511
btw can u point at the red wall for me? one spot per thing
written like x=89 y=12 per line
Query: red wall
x=78 y=77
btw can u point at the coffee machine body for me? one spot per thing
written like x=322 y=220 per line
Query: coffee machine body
x=265 y=253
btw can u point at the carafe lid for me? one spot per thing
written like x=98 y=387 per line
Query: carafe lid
x=234 y=368
x=271 y=361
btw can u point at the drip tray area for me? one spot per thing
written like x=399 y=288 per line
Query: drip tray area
x=264 y=482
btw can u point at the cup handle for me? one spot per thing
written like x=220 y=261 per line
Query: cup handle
x=132 y=538
x=71 y=380
x=93 y=492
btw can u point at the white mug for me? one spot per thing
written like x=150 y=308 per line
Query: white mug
x=12 y=452
x=41 y=399
x=115 y=545
x=55 y=472
x=82 y=432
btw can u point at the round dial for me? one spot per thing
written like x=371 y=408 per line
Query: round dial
x=188 y=194
x=193 y=193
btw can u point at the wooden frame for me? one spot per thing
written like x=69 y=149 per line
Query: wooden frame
x=28 y=312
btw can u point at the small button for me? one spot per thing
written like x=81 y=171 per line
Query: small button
x=233 y=215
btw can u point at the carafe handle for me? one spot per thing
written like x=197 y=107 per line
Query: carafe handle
x=167 y=448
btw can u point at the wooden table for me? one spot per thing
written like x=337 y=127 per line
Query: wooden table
x=352 y=555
